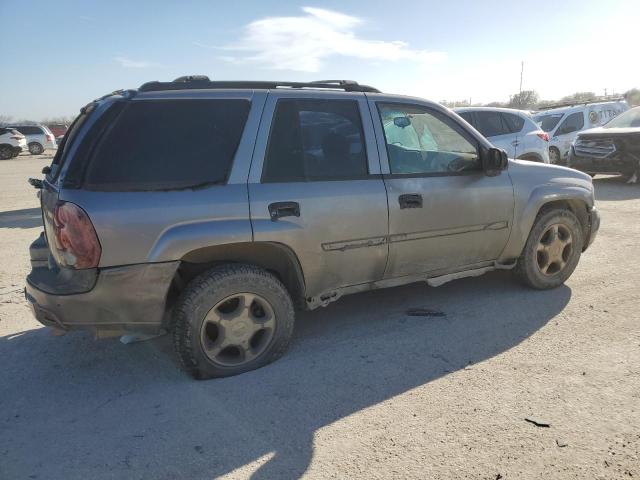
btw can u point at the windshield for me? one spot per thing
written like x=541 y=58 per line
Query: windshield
x=549 y=121
x=630 y=118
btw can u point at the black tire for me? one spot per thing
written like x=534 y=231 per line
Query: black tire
x=528 y=268
x=15 y=154
x=6 y=152
x=35 y=148
x=554 y=155
x=207 y=291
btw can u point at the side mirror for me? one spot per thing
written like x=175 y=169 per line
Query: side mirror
x=494 y=161
x=401 y=122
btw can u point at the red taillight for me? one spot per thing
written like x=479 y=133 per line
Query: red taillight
x=543 y=135
x=15 y=137
x=76 y=241
x=49 y=137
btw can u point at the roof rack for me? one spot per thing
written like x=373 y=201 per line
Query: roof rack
x=608 y=98
x=193 y=82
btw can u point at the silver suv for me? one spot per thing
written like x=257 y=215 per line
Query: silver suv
x=215 y=209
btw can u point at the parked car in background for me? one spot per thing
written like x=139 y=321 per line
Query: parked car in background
x=58 y=130
x=39 y=138
x=612 y=148
x=287 y=195
x=12 y=142
x=563 y=124
x=512 y=130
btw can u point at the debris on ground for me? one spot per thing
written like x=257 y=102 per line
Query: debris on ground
x=537 y=422
x=561 y=443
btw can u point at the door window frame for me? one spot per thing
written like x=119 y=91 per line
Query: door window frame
x=262 y=142
x=447 y=119
x=565 y=120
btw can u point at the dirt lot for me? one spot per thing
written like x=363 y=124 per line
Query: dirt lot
x=365 y=391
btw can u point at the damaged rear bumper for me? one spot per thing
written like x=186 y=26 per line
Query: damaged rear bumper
x=116 y=299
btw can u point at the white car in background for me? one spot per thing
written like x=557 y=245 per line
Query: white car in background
x=12 y=143
x=563 y=124
x=511 y=130
x=39 y=138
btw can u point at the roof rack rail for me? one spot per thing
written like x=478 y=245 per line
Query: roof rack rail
x=573 y=103
x=194 y=82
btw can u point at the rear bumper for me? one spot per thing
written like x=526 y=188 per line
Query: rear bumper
x=131 y=298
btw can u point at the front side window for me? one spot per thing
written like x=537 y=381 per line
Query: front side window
x=421 y=141
x=314 y=140
x=169 y=144
x=572 y=123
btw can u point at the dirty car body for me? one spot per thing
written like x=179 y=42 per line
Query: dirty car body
x=383 y=214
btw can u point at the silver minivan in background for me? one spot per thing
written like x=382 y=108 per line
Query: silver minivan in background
x=563 y=124
x=511 y=130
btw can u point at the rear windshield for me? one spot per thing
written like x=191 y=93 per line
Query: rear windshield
x=548 y=122
x=168 y=144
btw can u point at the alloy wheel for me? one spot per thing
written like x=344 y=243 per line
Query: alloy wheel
x=237 y=329
x=554 y=249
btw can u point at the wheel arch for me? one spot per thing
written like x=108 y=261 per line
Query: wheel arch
x=274 y=257
x=577 y=199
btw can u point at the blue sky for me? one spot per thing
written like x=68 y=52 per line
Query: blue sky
x=59 y=55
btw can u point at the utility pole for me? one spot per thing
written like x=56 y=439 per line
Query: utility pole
x=521 y=72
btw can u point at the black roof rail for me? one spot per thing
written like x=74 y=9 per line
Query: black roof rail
x=575 y=103
x=193 y=82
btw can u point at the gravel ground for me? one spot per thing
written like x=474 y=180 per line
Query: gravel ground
x=365 y=391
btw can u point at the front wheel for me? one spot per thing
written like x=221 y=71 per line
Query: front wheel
x=6 y=152
x=554 y=155
x=232 y=319
x=552 y=251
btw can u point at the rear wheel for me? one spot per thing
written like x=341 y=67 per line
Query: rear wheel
x=6 y=152
x=232 y=319
x=554 y=155
x=552 y=251
x=35 y=148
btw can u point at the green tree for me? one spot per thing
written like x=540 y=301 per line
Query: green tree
x=524 y=100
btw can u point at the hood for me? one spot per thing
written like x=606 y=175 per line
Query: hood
x=609 y=132
x=535 y=173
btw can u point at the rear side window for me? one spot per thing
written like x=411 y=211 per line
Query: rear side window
x=315 y=140
x=468 y=116
x=490 y=124
x=29 y=130
x=168 y=144
x=514 y=123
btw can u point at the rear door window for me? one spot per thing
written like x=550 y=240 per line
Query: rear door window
x=513 y=122
x=490 y=124
x=168 y=144
x=314 y=140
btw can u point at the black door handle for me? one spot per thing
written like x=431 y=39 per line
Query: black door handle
x=283 y=209
x=410 y=200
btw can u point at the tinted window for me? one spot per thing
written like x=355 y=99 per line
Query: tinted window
x=513 y=122
x=490 y=124
x=423 y=141
x=315 y=140
x=29 y=130
x=572 y=123
x=468 y=116
x=3 y=131
x=169 y=144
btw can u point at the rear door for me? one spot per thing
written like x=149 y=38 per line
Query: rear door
x=567 y=131
x=315 y=186
x=445 y=214
x=491 y=125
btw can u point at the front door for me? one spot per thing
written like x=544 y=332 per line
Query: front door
x=315 y=186
x=445 y=214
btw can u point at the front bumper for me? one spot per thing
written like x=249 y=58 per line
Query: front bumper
x=129 y=298
x=611 y=164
